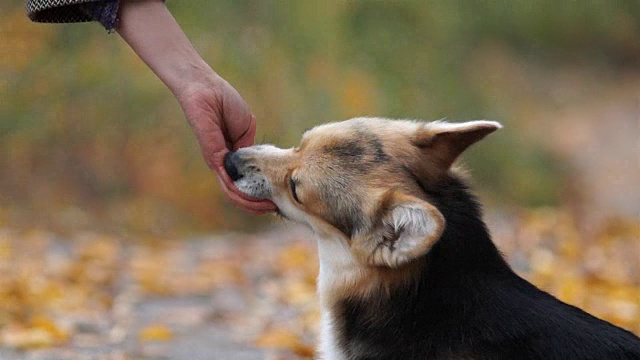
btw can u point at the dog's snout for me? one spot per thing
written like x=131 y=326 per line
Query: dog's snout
x=231 y=160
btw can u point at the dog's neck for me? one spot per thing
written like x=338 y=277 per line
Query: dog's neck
x=464 y=249
x=465 y=243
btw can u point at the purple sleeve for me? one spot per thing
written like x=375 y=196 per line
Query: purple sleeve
x=105 y=12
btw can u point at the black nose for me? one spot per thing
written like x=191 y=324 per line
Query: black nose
x=231 y=165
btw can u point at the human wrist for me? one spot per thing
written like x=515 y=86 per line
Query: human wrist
x=193 y=74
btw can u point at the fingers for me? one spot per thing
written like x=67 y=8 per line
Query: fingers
x=239 y=118
x=222 y=121
x=257 y=207
x=214 y=157
x=210 y=140
x=248 y=138
x=239 y=122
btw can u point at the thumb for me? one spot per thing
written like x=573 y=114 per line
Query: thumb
x=248 y=138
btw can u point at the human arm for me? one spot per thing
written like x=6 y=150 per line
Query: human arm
x=218 y=115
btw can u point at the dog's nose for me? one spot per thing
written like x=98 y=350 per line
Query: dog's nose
x=231 y=165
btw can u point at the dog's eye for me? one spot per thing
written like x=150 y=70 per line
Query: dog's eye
x=292 y=185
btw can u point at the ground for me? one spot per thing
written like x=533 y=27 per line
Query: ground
x=239 y=296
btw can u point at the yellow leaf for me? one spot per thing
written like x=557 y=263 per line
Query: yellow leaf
x=46 y=324
x=278 y=338
x=284 y=339
x=299 y=293
x=155 y=332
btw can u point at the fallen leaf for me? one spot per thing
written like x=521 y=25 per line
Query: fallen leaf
x=284 y=339
x=155 y=332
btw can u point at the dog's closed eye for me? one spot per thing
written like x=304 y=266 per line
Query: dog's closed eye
x=292 y=186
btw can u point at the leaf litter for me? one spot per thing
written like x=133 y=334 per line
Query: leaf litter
x=92 y=295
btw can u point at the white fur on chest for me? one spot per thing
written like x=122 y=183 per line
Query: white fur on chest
x=337 y=268
x=328 y=349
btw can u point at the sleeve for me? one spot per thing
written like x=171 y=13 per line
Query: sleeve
x=67 y=11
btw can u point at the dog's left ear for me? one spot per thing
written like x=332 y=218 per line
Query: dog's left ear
x=443 y=142
x=406 y=228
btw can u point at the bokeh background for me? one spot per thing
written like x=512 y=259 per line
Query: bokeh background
x=91 y=141
x=91 y=138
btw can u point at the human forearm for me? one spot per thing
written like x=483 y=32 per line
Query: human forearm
x=155 y=36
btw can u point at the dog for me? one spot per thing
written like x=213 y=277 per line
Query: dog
x=408 y=269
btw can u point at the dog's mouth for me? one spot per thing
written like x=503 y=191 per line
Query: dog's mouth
x=246 y=177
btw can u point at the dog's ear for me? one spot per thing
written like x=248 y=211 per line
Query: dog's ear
x=405 y=228
x=444 y=142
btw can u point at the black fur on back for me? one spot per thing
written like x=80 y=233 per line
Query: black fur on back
x=468 y=304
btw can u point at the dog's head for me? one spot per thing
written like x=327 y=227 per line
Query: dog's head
x=362 y=180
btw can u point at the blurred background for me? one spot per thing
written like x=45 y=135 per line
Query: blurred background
x=92 y=142
x=89 y=136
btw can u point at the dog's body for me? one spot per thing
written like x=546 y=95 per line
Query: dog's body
x=408 y=269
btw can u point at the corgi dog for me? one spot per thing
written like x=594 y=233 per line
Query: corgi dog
x=408 y=269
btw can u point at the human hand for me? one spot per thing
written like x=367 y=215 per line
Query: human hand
x=221 y=121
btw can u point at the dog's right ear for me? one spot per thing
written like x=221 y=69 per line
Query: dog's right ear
x=405 y=228
x=443 y=142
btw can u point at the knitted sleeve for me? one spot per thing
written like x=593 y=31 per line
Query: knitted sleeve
x=66 y=11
